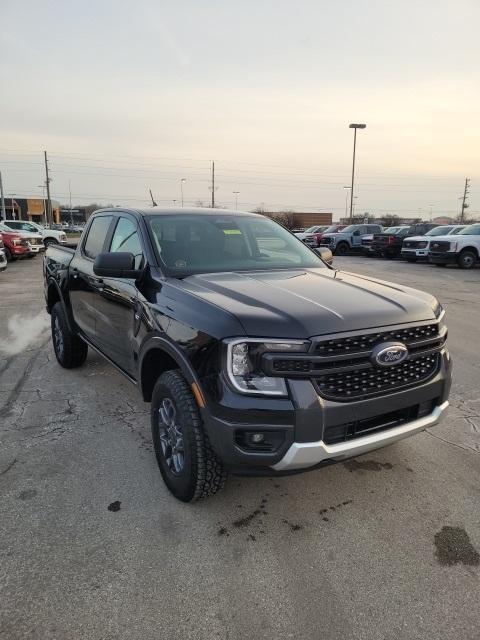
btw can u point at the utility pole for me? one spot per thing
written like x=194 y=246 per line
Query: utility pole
x=70 y=197
x=213 y=185
x=464 y=201
x=47 y=183
x=4 y=215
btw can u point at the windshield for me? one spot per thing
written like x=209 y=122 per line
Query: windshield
x=189 y=244
x=439 y=231
x=471 y=230
x=22 y=226
x=350 y=228
x=331 y=229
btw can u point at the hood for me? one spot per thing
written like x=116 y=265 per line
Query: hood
x=304 y=303
x=25 y=234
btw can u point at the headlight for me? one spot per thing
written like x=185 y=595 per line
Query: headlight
x=243 y=364
x=453 y=246
x=438 y=310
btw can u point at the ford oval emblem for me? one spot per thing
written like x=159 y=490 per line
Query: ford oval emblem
x=388 y=354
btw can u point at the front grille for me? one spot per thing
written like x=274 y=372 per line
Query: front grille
x=410 y=244
x=342 y=368
x=367 y=341
x=34 y=241
x=326 y=240
x=371 y=381
x=440 y=246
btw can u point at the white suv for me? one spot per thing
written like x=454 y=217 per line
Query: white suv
x=49 y=236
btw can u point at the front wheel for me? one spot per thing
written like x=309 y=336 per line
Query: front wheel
x=70 y=350
x=467 y=259
x=189 y=466
x=49 y=241
x=342 y=248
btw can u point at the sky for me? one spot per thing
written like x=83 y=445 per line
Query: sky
x=128 y=96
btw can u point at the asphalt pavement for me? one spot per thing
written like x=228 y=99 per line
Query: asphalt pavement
x=93 y=547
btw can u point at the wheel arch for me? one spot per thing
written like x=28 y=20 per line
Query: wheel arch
x=471 y=248
x=158 y=356
x=54 y=295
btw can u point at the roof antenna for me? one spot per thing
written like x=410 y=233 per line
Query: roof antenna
x=154 y=204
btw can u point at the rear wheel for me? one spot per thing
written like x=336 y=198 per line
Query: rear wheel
x=189 y=466
x=70 y=350
x=342 y=248
x=467 y=259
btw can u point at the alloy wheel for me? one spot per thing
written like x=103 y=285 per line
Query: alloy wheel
x=171 y=436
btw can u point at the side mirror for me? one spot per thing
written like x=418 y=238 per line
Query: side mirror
x=325 y=254
x=116 y=265
x=356 y=233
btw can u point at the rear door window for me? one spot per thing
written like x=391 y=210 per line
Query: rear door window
x=97 y=234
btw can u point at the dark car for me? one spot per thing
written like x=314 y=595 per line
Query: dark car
x=387 y=244
x=257 y=357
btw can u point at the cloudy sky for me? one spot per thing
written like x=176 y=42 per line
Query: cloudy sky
x=127 y=96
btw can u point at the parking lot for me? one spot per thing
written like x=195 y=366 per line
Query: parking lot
x=92 y=545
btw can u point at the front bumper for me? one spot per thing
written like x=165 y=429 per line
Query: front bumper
x=442 y=258
x=415 y=253
x=36 y=248
x=305 y=418
x=302 y=455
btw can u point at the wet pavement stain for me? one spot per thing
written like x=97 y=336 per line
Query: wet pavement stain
x=114 y=506
x=453 y=546
x=366 y=465
x=246 y=520
x=27 y=494
x=223 y=531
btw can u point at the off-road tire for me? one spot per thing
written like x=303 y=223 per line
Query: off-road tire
x=342 y=248
x=71 y=351
x=467 y=259
x=202 y=474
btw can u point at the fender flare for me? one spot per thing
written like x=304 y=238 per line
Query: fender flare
x=51 y=282
x=158 y=342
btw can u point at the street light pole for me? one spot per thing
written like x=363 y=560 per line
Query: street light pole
x=12 y=196
x=346 y=201
x=181 y=187
x=235 y=193
x=354 y=127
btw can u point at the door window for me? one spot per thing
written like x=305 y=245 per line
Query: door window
x=96 y=237
x=125 y=238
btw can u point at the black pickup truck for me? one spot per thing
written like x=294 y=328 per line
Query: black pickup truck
x=256 y=356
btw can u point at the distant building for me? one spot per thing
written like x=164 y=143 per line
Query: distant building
x=32 y=209
x=443 y=220
x=302 y=219
x=77 y=215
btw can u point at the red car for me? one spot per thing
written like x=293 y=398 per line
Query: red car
x=15 y=246
x=334 y=228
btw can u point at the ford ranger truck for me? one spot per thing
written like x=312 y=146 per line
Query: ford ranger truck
x=256 y=357
x=463 y=249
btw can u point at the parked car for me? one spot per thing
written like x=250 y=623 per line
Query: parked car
x=256 y=356
x=416 y=247
x=463 y=249
x=49 y=236
x=388 y=244
x=14 y=245
x=368 y=247
x=3 y=255
x=349 y=238
x=310 y=235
